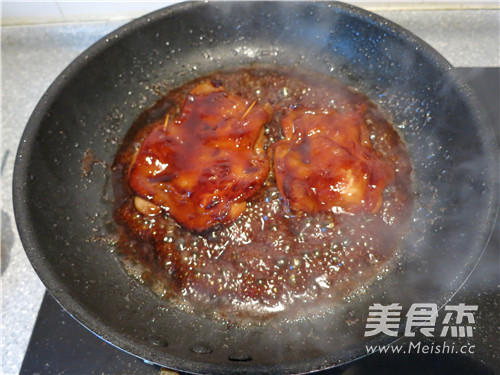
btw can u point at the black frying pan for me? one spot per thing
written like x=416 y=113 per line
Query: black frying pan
x=62 y=214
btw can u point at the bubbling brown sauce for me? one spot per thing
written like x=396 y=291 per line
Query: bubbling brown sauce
x=273 y=259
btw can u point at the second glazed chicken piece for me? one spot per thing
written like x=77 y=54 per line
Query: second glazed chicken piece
x=205 y=164
x=326 y=162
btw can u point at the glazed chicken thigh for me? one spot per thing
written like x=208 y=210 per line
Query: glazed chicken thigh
x=203 y=165
x=326 y=162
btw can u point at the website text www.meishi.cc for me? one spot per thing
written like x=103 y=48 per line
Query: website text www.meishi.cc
x=421 y=348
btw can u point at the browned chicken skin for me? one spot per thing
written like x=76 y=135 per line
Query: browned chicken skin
x=205 y=164
x=326 y=162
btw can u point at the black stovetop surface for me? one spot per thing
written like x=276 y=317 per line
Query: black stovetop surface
x=60 y=345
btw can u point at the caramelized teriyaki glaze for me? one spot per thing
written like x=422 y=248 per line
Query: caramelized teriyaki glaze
x=203 y=165
x=292 y=191
x=326 y=163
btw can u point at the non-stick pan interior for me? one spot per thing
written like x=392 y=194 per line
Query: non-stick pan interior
x=63 y=196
